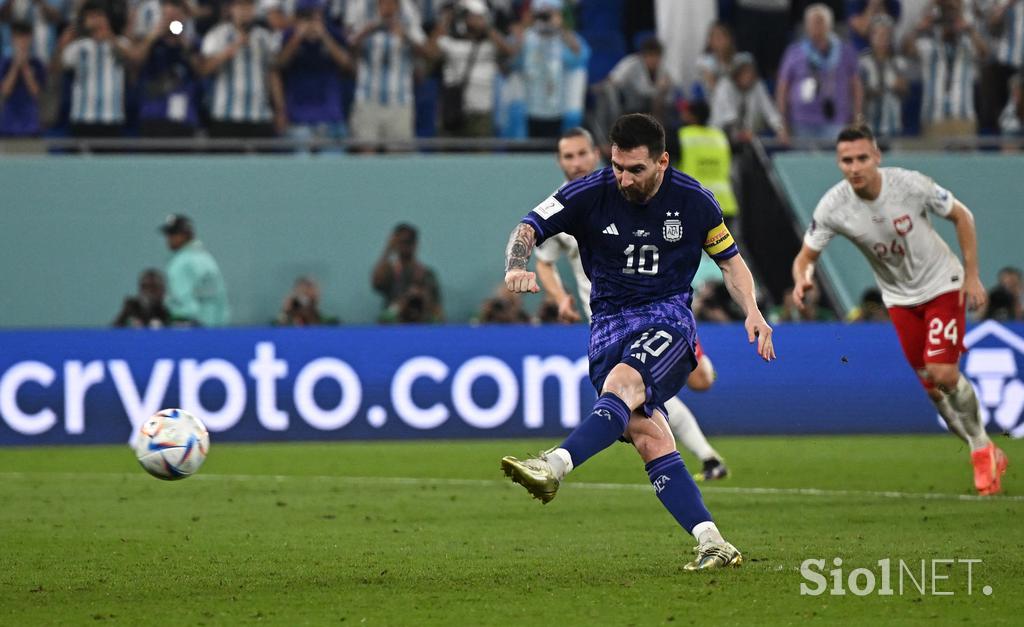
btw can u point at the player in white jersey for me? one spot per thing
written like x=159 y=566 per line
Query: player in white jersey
x=577 y=157
x=885 y=212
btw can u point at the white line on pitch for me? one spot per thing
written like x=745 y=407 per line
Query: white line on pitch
x=583 y=485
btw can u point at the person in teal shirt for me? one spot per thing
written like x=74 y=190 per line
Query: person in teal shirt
x=195 y=286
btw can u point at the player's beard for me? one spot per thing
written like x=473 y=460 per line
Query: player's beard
x=635 y=193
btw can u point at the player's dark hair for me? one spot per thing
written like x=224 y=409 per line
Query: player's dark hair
x=634 y=130
x=93 y=5
x=700 y=111
x=855 y=132
x=1015 y=271
x=405 y=227
x=872 y=295
x=21 y=27
x=577 y=131
x=651 y=45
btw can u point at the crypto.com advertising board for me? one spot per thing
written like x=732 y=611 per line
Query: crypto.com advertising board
x=64 y=387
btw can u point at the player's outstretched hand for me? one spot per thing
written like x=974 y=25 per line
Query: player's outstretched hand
x=567 y=310
x=759 y=331
x=799 y=290
x=521 y=281
x=974 y=293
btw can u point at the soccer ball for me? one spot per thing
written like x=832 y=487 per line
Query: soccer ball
x=172 y=444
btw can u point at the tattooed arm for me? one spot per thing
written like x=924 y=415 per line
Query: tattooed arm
x=517 y=253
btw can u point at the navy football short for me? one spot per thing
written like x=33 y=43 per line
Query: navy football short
x=661 y=352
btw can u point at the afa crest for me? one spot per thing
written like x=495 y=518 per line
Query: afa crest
x=672 y=231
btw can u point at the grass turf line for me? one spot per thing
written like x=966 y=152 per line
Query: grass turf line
x=113 y=544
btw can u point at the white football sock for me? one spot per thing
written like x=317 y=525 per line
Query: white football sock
x=684 y=426
x=950 y=415
x=965 y=402
x=707 y=532
x=560 y=462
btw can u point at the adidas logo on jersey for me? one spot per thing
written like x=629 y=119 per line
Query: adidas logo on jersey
x=611 y=229
x=641 y=357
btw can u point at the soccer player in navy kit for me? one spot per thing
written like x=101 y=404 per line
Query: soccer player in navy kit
x=641 y=227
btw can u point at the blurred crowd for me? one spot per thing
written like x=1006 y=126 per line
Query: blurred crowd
x=391 y=70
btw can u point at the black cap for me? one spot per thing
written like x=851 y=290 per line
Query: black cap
x=21 y=27
x=176 y=223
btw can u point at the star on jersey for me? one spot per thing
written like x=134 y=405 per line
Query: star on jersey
x=669 y=214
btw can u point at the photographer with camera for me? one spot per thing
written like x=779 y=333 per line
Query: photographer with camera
x=301 y=306
x=819 y=90
x=409 y=288
x=471 y=49
x=247 y=96
x=310 y=63
x=169 y=77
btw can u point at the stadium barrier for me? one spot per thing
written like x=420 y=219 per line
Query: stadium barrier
x=68 y=387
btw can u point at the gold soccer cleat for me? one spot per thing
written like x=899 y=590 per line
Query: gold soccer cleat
x=715 y=555
x=534 y=474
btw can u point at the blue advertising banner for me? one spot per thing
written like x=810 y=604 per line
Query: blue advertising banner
x=62 y=387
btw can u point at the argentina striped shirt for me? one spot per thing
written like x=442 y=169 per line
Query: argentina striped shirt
x=947 y=71
x=241 y=91
x=97 y=93
x=384 y=75
x=883 y=106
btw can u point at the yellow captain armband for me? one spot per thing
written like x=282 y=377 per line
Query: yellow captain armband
x=718 y=240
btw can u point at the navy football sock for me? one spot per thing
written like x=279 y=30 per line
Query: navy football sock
x=677 y=490
x=606 y=423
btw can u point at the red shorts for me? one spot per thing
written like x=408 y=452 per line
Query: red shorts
x=698 y=350
x=931 y=333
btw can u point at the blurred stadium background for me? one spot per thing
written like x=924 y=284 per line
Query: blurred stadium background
x=354 y=468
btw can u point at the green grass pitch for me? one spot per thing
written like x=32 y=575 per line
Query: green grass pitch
x=430 y=533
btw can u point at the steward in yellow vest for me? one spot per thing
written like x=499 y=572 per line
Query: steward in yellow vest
x=706 y=156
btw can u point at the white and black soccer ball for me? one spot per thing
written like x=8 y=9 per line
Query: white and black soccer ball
x=172 y=444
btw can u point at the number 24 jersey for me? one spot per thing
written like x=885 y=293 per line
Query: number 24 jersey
x=911 y=262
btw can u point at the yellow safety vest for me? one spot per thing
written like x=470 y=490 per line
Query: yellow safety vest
x=706 y=157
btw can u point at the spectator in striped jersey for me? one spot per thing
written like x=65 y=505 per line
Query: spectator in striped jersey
x=22 y=77
x=97 y=60
x=884 y=75
x=386 y=46
x=948 y=47
x=1005 y=20
x=550 y=54
x=247 y=99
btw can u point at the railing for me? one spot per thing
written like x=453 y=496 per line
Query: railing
x=202 y=144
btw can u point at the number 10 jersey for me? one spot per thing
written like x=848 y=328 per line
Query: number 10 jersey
x=636 y=255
